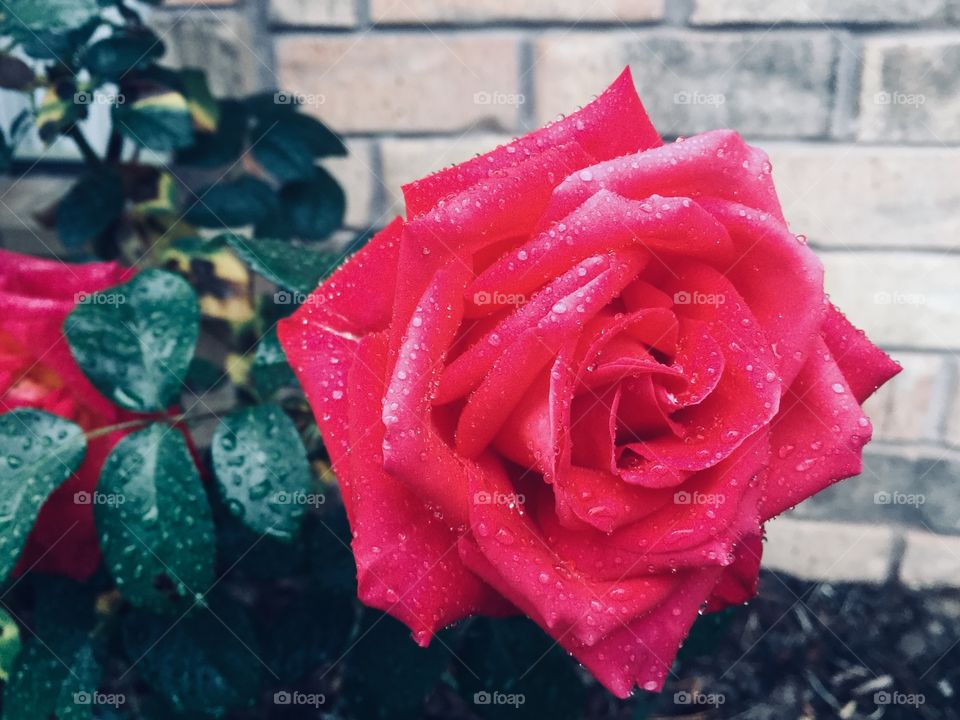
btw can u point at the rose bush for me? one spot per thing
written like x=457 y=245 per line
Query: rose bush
x=591 y=367
x=37 y=370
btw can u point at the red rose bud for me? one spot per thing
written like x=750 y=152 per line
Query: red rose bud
x=38 y=371
x=576 y=380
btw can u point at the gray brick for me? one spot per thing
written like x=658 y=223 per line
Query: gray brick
x=771 y=85
x=816 y=12
x=314 y=13
x=220 y=41
x=357 y=176
x=930 y=561
x=826 y=551
x=402 y=82
x=474 y=11
x=910 y=90
x=850 y=196
x=901 y=299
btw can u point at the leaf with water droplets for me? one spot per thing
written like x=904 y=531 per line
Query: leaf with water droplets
x=57 y=670
x=203 y=665
x=290 y=266
x=135 y=341
x=262 y=470
x=157 y=534
x=270 y=369
x=38 y=452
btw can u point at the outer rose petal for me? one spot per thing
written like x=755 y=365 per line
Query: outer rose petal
x=818 y=437
x=407 y=562
x=738 y=583
x=863 y=364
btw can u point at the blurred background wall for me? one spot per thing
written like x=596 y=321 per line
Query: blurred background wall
x=856 y=101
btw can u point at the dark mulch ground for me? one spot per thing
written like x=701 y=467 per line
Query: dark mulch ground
x=807 y=650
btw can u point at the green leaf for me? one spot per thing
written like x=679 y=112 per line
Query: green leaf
x=203 y=376
x=270 y=369
x=135 y=341
x=313 y=208
x=51 y=15
x=262 y=470
x=205 y=664
x=295 y=268
x=15 y=74
x=9 y=643
x=516 y=658
x=282 y=153
x=321 y=141
x=224 y=145
x=244 y=201
x=388 y=675
x=157 y=533
x=90 y=207
x=203 y=105
x=158 y=122
x=117 y=55
x=38 y=452
x=56 y=673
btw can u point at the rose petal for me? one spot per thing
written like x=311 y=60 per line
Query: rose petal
x=862 y=363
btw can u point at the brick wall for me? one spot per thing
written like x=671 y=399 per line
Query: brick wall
x=857 y=102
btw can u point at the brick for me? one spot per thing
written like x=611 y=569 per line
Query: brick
x=850 y=196
x=475 y=11
x=910 y=91
x=408 y=159
x=953 y=409
x=221 y=42
x=198 y=3
x=901 y=299
x=910 y=407
x=406 y=83
x=828 y=551
x=20 y=200
x=816 y=12
x=356 y=176
x=314 y=13
x=930 y=561
x=763 y=84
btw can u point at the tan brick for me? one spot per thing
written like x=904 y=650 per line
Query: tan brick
x=714 y=12
x=315 y=13
x=828 y=551
x=930 y=561
x=473 y=11
x=849 y=195
x=409 y=159
x=901 y=299
x=766 y=84
x=398 y=83
x=356 y=176
x=911 y=405
x=910 y=89
x=220 y=42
